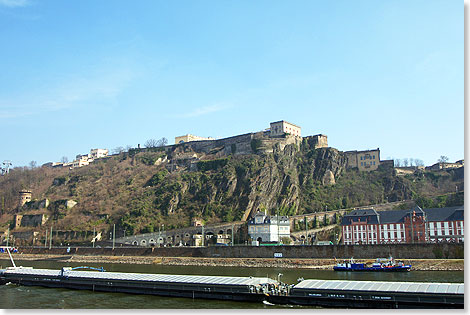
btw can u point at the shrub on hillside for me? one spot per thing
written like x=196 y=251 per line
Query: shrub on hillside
x=211 y=165
x=157 y=178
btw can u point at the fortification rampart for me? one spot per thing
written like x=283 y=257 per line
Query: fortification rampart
x=236 y=145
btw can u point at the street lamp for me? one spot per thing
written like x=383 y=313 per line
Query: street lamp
x=278 y=240
x=279 y=277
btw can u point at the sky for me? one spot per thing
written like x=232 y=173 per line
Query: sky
x=77 y=75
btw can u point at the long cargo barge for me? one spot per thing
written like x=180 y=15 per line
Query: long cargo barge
x=191 y=286
x=377 y=294
x=323 y=293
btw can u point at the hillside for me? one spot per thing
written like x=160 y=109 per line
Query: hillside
x=142 y=189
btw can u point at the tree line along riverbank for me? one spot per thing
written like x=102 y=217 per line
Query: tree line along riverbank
x=312 y=263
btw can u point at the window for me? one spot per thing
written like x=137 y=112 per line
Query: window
x=361 y=159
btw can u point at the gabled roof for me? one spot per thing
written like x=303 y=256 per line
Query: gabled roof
x=445 y=214
x=267 y=218
x=417 y=210
x=393 y=216
x=398 y=216
x=259 y=213
x=361 y=212
x=369 y=215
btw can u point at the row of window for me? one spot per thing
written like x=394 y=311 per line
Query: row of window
x=365 y=163
x=367 y=157
x=394 y=235
x=292 y=130
x=445 y=225
x=371 y=227
x=384 y=235
x=391 y=226
x=401 y=235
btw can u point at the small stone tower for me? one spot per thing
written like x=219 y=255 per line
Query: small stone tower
x=25 y=196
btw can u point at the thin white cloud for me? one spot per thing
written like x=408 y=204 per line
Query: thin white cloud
x=14 y=3
x=77 y=91
x=201 y=111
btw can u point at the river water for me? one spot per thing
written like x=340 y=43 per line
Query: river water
x=14 y=296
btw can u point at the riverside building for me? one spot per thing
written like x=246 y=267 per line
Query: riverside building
x=368 y=226
x=264 y=228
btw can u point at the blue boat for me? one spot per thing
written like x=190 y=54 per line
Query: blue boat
x=381 y=264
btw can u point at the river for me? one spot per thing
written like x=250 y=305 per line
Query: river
x=14 y=296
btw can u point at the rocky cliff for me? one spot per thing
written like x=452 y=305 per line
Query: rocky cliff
x=214 y=181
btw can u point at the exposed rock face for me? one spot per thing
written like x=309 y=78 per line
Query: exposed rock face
x=70 y=204
x=328 y=160
x=43 y=204
x=269 y=180
x=262 y=172
x=328 y=178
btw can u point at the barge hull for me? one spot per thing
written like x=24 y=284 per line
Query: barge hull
x=138 y=288
x=319 y=293
x=378 y=294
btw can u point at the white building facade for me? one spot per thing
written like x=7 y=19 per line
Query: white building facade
x=86 y=159
x=98 y=153
x=282 y=127
x=264 y=228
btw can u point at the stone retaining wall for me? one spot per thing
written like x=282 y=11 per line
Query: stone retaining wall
x=401 y=251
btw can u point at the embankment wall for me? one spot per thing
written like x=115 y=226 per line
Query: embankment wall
x=399 y=251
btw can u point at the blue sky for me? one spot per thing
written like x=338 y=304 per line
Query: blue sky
x=77 y=75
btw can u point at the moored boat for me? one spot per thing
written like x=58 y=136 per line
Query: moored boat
x=381 y=264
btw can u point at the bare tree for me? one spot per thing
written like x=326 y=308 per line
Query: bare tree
x=405 y=162
x=419 y=162
x=443 y=159
x=162 y=142
x=397 y=162
x=118 y=150
x=128 y=147
x=64 y=159
x=412 y=161
x=33 y=164
x=151 y=143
